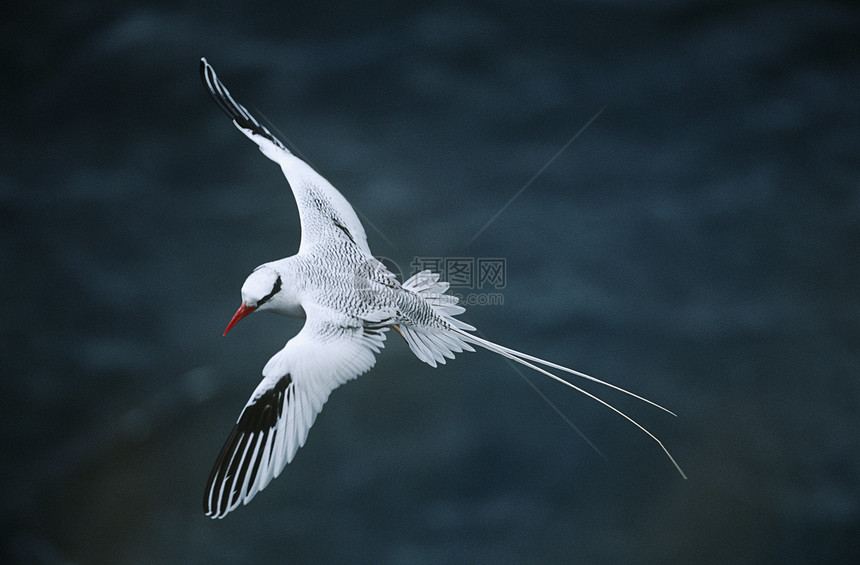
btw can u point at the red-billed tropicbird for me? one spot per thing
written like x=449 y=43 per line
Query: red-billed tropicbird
x=349 y=300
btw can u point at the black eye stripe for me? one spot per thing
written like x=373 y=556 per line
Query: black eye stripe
x=275 y=289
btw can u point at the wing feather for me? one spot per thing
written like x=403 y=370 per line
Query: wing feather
x=325 y=214
x=275 y=422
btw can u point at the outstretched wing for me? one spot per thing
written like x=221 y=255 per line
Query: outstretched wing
x=325 y=214
x=275 y=422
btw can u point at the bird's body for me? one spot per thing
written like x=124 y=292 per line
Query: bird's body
x=349 y=300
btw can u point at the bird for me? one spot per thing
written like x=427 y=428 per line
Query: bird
x=349 y=300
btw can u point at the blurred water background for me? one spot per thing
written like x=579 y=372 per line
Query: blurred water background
x=697 y=243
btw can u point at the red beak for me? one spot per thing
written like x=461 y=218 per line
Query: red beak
x=243 y=311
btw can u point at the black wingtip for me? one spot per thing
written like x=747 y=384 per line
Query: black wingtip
x=219 y=92
x=240 y=116
x=259 y=418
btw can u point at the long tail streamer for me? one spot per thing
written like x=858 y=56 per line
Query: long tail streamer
x=532 y=363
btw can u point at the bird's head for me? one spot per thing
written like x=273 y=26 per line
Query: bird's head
x=259 y=289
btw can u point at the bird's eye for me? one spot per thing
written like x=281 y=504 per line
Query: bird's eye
x=275 y=289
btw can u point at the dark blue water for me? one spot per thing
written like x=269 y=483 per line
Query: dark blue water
x=698 y=243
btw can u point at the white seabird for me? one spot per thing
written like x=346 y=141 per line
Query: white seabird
x=349 y=300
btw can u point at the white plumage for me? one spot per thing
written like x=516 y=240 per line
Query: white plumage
x=349 y=300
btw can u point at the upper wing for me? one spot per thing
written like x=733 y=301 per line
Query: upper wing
x=275 y=422
x=324 y=213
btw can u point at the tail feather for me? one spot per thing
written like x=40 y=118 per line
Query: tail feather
x=429 y=344
x=497 y=348
x=529 y=361
x=434 y=346
x=428 y=285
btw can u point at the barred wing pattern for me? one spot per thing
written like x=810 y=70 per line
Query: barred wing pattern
x=324 y=212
